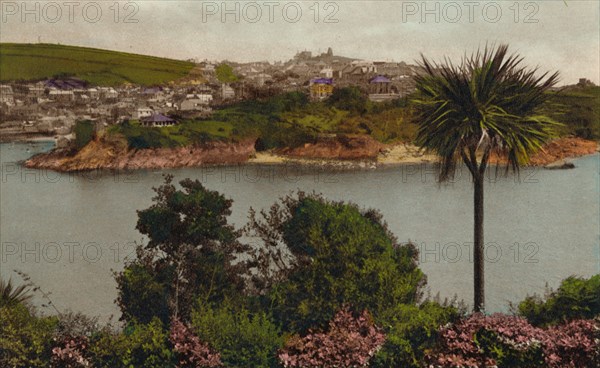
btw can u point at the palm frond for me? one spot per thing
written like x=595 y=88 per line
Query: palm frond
x=488 y=100
x=11 y=295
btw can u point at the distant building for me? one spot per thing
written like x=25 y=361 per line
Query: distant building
x=584 y=82
x=143 y=112
x=108 y=93
x=6 y=95
x=157 y=120
x=35 y=91
x=61 y=95
x=381 y=89
x=321 y=88
x=153 y=93
x=327 y=73
x=93 y=93
x=204 y=98
x=227 y=92
x=196 y=104
x=303 y=55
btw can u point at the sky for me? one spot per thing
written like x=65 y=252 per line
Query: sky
x=561 y=35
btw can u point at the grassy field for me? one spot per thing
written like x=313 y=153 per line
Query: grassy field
x=100 y=67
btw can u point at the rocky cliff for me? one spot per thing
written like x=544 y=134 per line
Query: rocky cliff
x=339 y=147
x=104 y=154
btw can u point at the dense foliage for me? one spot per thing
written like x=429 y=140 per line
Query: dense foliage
x=25 y=341
x=412 y=330
x=282 y=120
x=84 y=133
x=334 y=254
x=139 y=345
x=244 y=339
x=578 y=109
x=576 y=298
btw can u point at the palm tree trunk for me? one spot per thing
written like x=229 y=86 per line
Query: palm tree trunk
x=478 y=249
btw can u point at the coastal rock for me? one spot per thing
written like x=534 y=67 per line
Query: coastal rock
x=557 y=150
x=341 y=147
x=560 y=165
x=114 y=155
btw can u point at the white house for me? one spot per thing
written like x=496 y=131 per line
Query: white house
x=203 y=97
x=142 y=112
x=194 y=104
x=6 y=95
x=60 y=95
x=227 y=92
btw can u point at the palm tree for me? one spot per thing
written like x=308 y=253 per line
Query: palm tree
x=488 y=105
x=9 y=295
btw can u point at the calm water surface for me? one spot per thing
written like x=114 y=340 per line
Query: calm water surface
x=69 y=231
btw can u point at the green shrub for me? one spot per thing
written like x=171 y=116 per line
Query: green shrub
x=243 y=339
x=84 y=133
x=25 y=340
x=411 y=331
x=576 y=298
x=139 y=345
x=349 y=99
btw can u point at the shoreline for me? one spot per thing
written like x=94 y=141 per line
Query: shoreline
x=102 y=156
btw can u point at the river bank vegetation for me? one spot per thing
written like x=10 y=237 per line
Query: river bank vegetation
x=306 y=283
x=291 y=119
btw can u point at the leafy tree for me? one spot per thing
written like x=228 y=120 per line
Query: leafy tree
x=84 y=133
x=318 y=255
x=191 y=252
x=576 y=298
x=349 y=99
x=225 y=73
x=144 y=288
x=489 y=104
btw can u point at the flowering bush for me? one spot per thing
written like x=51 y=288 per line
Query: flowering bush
x=70 y=353
x=508 y=341
x=573 y=345
x=192 y=352
x=350 y=342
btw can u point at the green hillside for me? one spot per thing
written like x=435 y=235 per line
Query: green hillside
x=578 y=108
x=99 y=67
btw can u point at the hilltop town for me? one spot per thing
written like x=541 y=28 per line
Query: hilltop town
x=51 y=107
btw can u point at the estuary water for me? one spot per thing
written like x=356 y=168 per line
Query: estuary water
x=69 y=232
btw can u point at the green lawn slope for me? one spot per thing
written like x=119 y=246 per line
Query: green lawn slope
x=28 y=62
